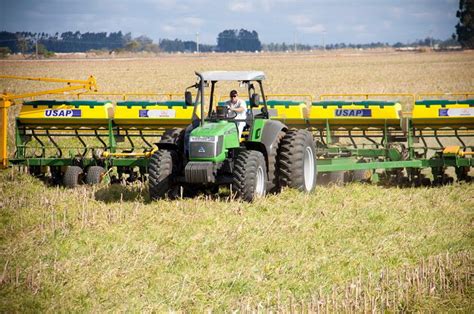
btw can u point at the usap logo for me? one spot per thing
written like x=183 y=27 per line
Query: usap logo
x=353 y=113
x=62 y=113
x=201 y=149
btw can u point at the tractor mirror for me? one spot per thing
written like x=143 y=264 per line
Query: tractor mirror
x=188 y=98
x=255 y=100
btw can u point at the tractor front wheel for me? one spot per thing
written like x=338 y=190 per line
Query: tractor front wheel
x=297 y=161
x=250 y=175
x=161 y=172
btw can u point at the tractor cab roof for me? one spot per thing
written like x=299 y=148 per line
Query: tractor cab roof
x=231 y=76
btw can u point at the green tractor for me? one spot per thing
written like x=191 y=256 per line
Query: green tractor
x=210 y=152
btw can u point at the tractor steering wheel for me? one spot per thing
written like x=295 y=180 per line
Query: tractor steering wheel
x=226 y=115
x=231 y=115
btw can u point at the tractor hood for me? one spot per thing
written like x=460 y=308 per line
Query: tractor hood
x=211 y=141
x=215 y=129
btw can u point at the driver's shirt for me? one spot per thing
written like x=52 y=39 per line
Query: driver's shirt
x=240 y=115
x=239 y=104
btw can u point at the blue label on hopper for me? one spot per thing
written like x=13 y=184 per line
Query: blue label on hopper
x=353 y=113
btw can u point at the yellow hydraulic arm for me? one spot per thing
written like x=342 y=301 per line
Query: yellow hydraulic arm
x=7 y=100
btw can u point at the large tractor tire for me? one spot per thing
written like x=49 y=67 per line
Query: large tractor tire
x=297 y=161
x=273 y=171
x=161 y=172
x=250 y=175
x=95 y=175
x=72 y=176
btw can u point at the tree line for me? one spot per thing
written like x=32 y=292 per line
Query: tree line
x=27 y=42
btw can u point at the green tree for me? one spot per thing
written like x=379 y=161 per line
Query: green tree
x=4 y=52
x=23 y=45
x=234 y=40
x=227 y=40
x=133 y=45
x=465 y=27
x=42 y=51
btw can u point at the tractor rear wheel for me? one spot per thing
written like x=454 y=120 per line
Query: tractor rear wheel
x=161 y=172
x=273 y=171
x=250 y=175
x=94 y=175
x=72 y=176
x=297 y=161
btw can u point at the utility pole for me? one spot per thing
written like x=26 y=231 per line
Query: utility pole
x=431 y=39
x=324 y=44
x=197 y=42
x=36 y=47
x=295 y=42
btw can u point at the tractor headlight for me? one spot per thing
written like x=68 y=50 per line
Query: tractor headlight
x=206 y=139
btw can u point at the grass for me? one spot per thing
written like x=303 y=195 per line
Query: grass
x=108 y=248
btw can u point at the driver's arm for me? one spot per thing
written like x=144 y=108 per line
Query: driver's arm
x=239 y=109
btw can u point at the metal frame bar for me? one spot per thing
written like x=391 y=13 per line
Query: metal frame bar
x=6 y=101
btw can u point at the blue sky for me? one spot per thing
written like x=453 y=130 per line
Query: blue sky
x=310 y=22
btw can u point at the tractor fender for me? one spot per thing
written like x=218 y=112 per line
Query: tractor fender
x=270 y=131
x=256 y=146
x=172 y=139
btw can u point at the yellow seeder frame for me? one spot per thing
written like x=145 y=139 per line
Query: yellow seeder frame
x=7 y=100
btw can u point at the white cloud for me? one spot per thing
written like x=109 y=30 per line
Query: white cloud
x=168 y=28
x=166 y=3
x=396 y=12
x=312 y=29
x=241 y=6
x=268 y=5
x=186 y=25
x=193 y=21
x=387 y=24
x=305 y=24
x=422 y=15
x=300 y=20
x=169 y=5
x=360 y=28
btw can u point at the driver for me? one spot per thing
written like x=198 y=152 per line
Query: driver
x=239 y=107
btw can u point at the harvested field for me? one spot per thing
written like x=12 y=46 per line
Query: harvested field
x=286 y=73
